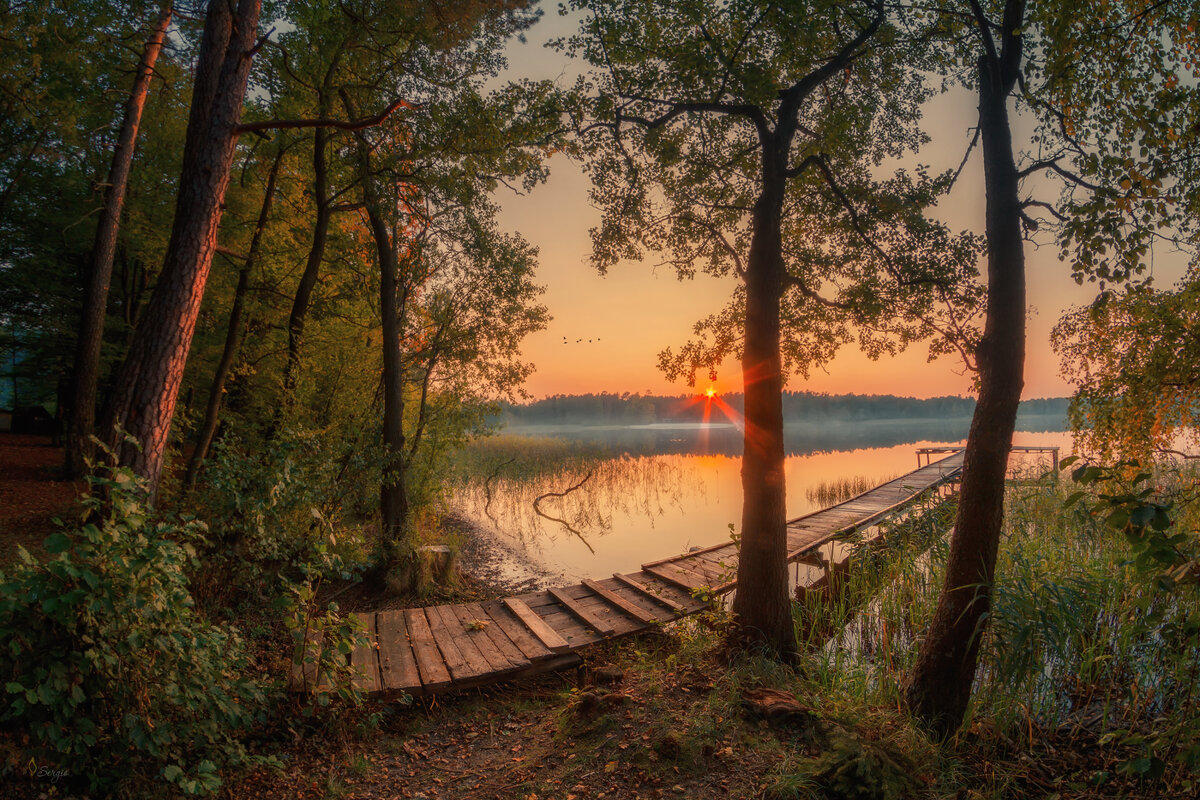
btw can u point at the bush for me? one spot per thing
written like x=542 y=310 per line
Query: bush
x=106 y=665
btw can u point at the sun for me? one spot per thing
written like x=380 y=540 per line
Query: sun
x=711 y=393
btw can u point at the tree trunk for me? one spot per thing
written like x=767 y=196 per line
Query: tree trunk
x=148 y=382
x=762 y=607
x=95 y=300
x=312 y=271
x=393 y=490
x=233 y=334
x=939 y=688
x=396 y=551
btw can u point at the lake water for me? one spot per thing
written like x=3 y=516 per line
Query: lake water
x=673 y=487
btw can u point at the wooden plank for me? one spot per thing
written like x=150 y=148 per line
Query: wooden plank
x=397 y=666
x=536 y=625
x=669 y=572
x=499 y=639
x=711 y=573
x=650 y=592
x=724 y=568
x=561 y=621
x=658 y=611
x=677 y=556
x=530 y=646
x=463 y=658
x=602 y=626
x=364 y=658
x=598 y=607
x=429 y=659
x=475 y=630
x=702 y=572
x=630 y=608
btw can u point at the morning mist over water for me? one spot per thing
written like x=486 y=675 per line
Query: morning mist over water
x=813 y=423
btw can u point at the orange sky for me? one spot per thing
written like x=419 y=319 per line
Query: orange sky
x=635 y=311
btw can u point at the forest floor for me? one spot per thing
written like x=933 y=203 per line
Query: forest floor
x=32 y=493
x=661 y=715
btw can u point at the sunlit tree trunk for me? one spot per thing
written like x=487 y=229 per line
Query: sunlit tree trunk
x=147 y=384
x=762 y=607
x=939 y=687
x=95 y=300
x=233 y=333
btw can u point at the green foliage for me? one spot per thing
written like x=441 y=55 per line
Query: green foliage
x=855 y=768
x=309 y=492
x=1133 y=357
x=59 y=119
x=106 y=664
x=709 y=128
x=1166 y=562
x=322 y=640
x=1118 y=114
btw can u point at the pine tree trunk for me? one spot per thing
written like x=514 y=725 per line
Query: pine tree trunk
x=95 y=300
x=762 y=605
x=233 y=333
x=939 y=687
x=147 y=384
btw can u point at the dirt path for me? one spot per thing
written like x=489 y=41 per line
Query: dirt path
x=32 y=492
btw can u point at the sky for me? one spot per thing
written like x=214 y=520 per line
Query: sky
x=615 y=325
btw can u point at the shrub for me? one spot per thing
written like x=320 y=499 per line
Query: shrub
x=106 y=665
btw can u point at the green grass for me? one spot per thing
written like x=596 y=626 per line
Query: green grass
x=1085 y=648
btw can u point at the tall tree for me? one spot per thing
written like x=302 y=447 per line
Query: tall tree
x=148 y=381
x=424 y=179
x=1083 y=73
x=939 y=685
x=742 y=137
x=95 y=301
x=59 y=121
x=235 y=328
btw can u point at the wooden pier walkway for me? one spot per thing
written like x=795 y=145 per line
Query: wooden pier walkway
x=421 y=651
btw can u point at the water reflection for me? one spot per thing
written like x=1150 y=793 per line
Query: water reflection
x=676 y=487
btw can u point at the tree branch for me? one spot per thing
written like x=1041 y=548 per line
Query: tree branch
x=676 y=109
x=738 y=264
x=352 y=125
x=563 y=522
x=804 y=289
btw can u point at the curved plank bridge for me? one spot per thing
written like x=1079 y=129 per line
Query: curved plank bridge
x=421 y=651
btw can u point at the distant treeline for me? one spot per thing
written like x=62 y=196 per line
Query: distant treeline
x=639 y=409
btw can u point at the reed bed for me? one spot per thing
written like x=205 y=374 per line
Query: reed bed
x=828 y=493
x=581 y=486
x=1089 y=644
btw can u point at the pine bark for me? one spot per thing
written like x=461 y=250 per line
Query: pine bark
x=148 y=381
x=233 y=332
x=938 y=689
x=86 y=373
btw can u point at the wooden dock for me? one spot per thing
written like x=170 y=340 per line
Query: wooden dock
x=421 y=651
